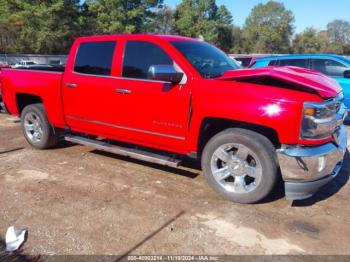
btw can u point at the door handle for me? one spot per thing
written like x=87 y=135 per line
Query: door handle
x=123 y=91
x=71 y=85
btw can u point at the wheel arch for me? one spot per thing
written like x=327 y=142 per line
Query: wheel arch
x=210 y=126
x=25 y=99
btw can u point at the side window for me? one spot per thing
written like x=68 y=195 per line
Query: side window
x=139 y=56
x=245 y=62
x=303 y=63
x=95 y=58
x=329 y=67
x=273 y=63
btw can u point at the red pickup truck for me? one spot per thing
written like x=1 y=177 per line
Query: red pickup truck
x=166 y=97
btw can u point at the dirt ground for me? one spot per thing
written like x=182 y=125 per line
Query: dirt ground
x=74 y=200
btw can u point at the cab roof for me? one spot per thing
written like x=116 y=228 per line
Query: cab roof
x=138 y=37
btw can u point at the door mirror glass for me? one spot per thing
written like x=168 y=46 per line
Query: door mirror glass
x=165 y=73
x=347 y=73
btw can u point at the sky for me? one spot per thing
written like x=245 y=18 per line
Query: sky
x=315 y=13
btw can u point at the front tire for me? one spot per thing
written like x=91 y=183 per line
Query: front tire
x=241 y=165
x=36 y=127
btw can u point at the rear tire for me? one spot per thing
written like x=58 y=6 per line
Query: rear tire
x=240 y=165
x=36 y=127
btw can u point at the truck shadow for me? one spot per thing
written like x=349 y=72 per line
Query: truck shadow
x=63 y=144
x=278 y=191
x=330 y=189
x=11 y=150
x=276 y=194
x=193 y=169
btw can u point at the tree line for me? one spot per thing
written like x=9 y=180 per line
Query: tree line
x=50 y=26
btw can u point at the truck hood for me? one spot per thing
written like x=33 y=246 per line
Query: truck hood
x=294 y=77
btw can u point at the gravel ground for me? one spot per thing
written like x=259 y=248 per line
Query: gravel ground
x=75 y=200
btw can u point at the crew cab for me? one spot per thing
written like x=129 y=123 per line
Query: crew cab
x=165 y=98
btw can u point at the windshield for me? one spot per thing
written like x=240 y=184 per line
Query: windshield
x=209 y=61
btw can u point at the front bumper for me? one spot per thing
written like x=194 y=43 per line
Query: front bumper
x=306 y=169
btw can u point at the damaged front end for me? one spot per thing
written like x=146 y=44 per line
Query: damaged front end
x=304 y=168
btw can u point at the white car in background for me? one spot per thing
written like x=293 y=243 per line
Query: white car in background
x=24 y=63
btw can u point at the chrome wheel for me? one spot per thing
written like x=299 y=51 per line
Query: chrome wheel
x=236 y=168
x=33 y=127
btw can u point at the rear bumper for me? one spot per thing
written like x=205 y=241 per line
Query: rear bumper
x=306 y=169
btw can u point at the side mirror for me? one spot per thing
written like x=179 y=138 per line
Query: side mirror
x=347 y=73
x=165 y=73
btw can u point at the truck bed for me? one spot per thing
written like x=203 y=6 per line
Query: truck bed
x=44 y=85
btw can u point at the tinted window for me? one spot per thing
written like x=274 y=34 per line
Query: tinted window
x=303 y=63
x=329 y=67
x=140 y=56
x=95 y=58
x=273 y=63
x=245 y=61
x=209 y=61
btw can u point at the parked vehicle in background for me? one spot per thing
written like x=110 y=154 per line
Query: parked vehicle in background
x=24 y=63
x=4 y=66
x=247 y=60
x=172 y=96
x=335 y=66
x=43 y=67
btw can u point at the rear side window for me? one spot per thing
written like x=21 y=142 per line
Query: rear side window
x=329 y=67
x=139 y=56
x=95 y=58
x=273 y=63
x=245 y=62
x=303 y=63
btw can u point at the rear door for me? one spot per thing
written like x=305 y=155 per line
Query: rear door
x=88 y=88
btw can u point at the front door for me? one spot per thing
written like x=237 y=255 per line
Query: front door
x=151 y=110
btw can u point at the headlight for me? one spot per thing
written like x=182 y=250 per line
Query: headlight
x=321 y=120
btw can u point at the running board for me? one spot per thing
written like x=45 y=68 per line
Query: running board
x=124 y=151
